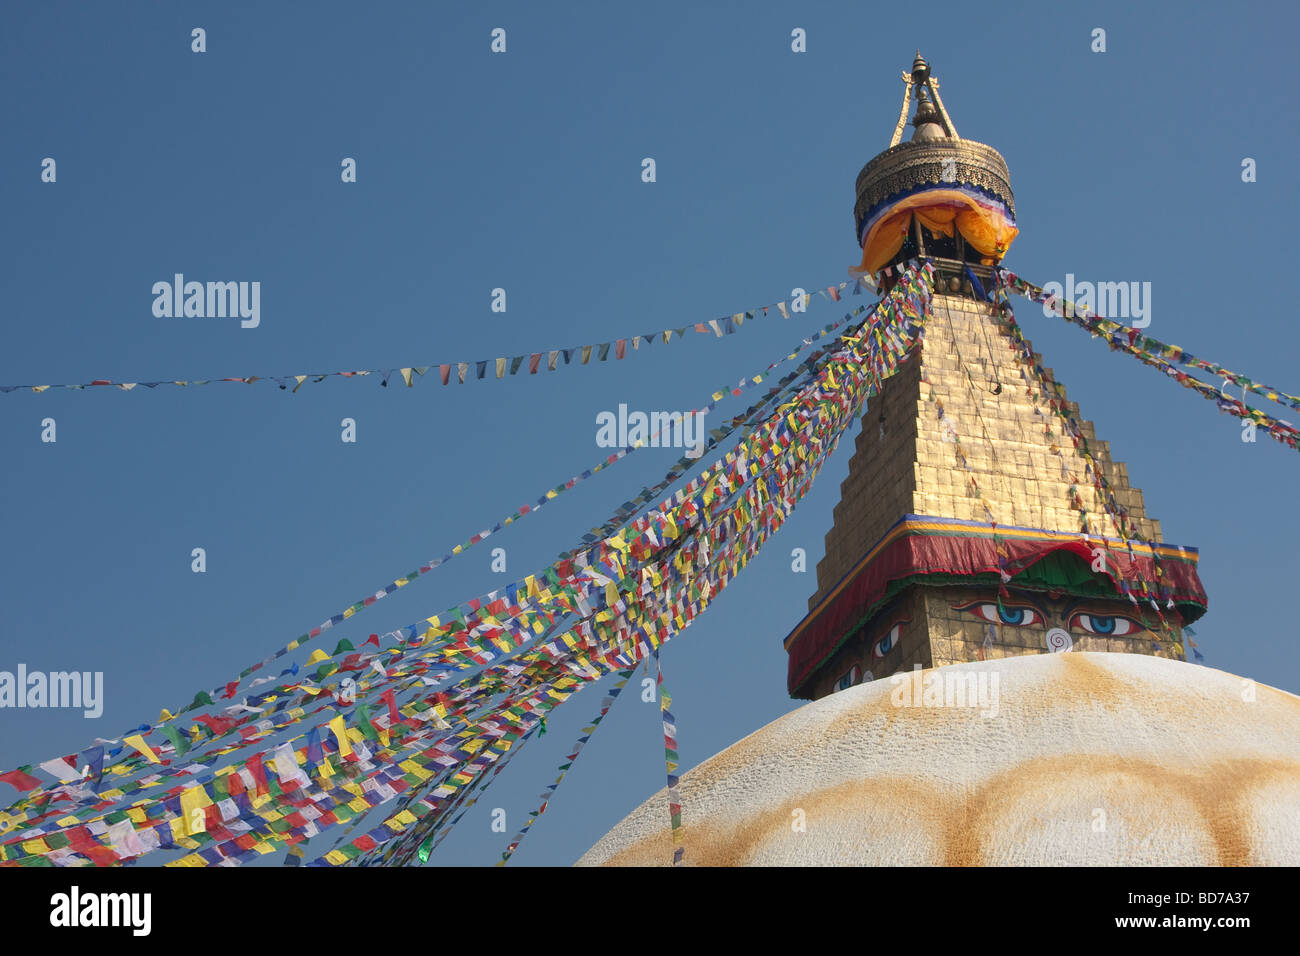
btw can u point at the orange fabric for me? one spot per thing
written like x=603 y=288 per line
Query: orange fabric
x=885 y=241
x=938 y=219
x=988 y=232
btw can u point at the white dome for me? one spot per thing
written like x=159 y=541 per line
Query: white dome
x=1067 y=759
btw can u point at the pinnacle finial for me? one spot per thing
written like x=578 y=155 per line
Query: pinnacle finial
x=920 y=69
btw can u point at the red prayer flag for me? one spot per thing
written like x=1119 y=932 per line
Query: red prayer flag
x=20 y=781
x=254 y=765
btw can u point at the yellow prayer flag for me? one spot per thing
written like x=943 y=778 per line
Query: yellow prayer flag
x=339 y=730
x=193 y=800
x=138 y=743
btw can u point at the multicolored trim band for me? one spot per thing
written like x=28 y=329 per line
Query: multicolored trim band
x=924 y=545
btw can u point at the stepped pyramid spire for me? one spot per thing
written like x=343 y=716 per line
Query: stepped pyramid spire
x=981 y=518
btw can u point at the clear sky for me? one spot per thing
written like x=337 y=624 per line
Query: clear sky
x=522 y=170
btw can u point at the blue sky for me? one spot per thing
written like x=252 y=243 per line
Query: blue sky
x=522 y=171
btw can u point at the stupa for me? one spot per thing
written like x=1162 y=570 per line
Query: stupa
x=994 y=650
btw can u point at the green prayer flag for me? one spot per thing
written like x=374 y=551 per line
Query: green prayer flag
x=179 y=741
x=363 y=720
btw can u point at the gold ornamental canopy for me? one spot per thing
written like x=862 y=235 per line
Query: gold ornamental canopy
x=935 y=195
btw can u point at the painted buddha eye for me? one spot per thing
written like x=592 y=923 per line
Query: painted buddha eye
x=1107 y=625
x=1012 y=616
x=850 y=678
x=889 y=641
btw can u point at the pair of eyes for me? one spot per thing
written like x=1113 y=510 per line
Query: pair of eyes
x=1105 y=625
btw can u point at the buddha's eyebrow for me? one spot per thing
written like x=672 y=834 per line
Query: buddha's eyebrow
x=1032 y=599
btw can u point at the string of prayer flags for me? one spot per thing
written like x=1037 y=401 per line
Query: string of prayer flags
x=449 y=706
x=564 y=768
x=672 y=762
x=1151 y=351
x=426 y=848
x=480 y=366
